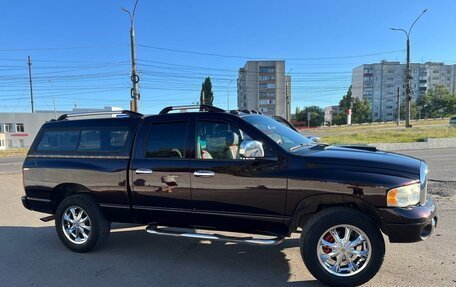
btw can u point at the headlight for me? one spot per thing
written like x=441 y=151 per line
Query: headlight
x=404 y=196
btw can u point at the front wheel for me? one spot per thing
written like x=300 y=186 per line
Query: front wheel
x=342 y=247
x=80 y=224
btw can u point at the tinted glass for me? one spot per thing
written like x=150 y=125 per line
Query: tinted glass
x=281 y=134
x=166 y=140
x=90 y=140
x=59 y=140
x=102 y=140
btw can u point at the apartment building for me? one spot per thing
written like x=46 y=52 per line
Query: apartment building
x=379 y=84
x=263 y=86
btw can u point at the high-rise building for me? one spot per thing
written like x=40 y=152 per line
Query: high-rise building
x=378 y=83
x=263 y=86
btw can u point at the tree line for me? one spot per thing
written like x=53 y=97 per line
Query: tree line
x=436 y=103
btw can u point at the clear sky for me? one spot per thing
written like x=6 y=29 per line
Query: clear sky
x=81 y=55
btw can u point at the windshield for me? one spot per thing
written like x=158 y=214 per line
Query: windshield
x=281 y=134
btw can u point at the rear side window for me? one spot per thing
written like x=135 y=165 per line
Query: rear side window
x=95 y=140
x=166 y=140
x=59 y=140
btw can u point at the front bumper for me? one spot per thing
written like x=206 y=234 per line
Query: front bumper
x=410 y=224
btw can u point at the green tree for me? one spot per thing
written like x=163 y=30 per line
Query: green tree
x=361 y=111
x=346 y=101
x=442 y=102
x=317 y=116
x=339 y=119
x=206 y=96
x=437 y=102
x=414 y=111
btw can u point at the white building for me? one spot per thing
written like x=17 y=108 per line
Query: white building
x=20 y=129
x=263 y=86
x=378 y=83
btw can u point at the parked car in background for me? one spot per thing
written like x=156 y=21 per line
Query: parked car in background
x=182 y=173
x=453 y=121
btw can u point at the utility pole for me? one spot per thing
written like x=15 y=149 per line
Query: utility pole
x=408 y=73
x=53 y=99
x=287 y=96
x=30 y=80
x=398 y=107
x=228 y=93
x=134 y=93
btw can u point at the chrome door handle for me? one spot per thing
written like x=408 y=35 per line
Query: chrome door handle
x=143 y=171
x=204 y=173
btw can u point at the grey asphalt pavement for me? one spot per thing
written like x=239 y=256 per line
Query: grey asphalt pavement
x=441 y=162
x=11 y=164
x=32 y=255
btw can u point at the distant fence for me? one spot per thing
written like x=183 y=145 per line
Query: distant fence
x=387 y=122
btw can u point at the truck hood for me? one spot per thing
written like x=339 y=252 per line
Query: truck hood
x=361 y=157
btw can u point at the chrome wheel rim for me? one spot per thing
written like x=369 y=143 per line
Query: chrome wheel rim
x=344 y=250
x=76 y=225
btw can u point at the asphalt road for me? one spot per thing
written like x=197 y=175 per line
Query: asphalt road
x=441 y=162
x=32 y=255
x=11 y=164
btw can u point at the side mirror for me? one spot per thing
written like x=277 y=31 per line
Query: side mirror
x=251 y=149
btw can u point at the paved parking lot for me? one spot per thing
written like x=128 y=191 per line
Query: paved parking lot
x=32 y=255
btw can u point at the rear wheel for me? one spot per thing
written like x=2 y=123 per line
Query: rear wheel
x=80 y=224
x=342 y=247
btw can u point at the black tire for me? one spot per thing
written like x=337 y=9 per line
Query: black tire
x=99 y=226
x=318 y=226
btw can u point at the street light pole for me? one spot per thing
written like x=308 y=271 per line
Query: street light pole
x=134 y=75
x=408 y=71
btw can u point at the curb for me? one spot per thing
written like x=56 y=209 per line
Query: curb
x=427 y=144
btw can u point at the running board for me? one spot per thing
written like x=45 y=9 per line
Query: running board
x=189 y=233
x=48 y=218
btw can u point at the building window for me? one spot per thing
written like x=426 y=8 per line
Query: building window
x=2 y=143
x=266 y=102
x=8 y=128
x=267 y=78
x=19 y=128
x=20 y=143
x=9 y=143
x=267 y=69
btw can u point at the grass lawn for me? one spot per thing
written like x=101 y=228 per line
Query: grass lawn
x=13 y=152
x=385 y=132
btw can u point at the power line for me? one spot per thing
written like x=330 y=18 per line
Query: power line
x=268 y=58
x=59 y=48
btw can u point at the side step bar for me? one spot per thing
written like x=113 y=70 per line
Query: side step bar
x=48 y=218
x=189 y=233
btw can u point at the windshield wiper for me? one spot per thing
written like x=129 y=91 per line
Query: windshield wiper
x=299 y=146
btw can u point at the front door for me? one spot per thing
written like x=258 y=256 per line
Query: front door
x=160 y=178
x=232 y=193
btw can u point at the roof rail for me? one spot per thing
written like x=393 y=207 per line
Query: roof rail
x=123 y=112
x=206 y=108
